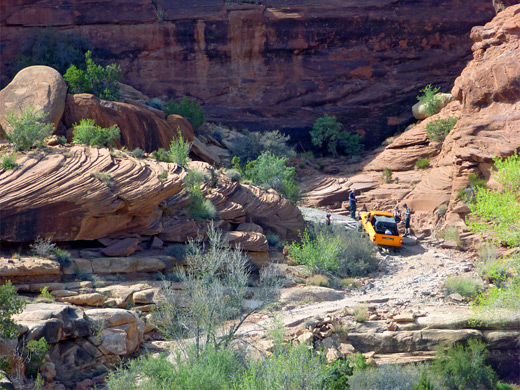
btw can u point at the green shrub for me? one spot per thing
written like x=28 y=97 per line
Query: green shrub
x=103 y=177
x=422 y=163
x=334 y=251
x=465 y=286
x=178 y=251
x=250 y=145
x=27 y=129
x=189 y=109
x=424 y=382
x=100 y=81
x=161 y=155
x=504 y=386
x=200 y=207
x=438 y=129
x=9 y=162
x=361 y=313
x=138 y=153
x=464 y=368
x=274 y=240
x=179 y=150
x=429 y=100
x=45 y=295
x=52 y=48
x=317 y=280
x=43 y=247
x=387 y=176
x=441 y=210
x=451 y=233
x=88 y=133
x=475 y=181
x=156 y=103
x=62 y=256
x=270 y=171
x=234 y=175
x=386 y=377
x=35 y=352
x=329 y=131
x=10 y=305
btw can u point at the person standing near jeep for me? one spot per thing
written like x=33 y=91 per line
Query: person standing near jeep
x=407 y=213
x=352 y=203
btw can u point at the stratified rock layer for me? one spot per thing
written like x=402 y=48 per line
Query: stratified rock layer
x=274 y=64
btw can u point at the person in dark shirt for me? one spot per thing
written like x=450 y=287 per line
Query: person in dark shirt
x=407 y=213
x=352 y=203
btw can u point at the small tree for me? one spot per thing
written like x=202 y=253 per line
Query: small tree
x=28 y=129
x=179 y=150
x=88 y=133
x=189 y=109
x=429 y=100
x=10 y=304
x=98 y=80
x=328 y=130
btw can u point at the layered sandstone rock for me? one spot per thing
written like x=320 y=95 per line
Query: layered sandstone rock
x=275 y=64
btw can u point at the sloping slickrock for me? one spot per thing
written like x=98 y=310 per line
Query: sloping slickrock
x=57 y=194
x=140 y=127
x=39 y=86
x=233 y=212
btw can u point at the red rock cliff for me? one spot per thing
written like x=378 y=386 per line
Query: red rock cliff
x=279 y=64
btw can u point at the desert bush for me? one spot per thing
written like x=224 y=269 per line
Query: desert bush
x=138 y=153
x=422 y=163
x=161 y=155
x=200 y=208
x=361 y=313
x=88 y=133
x=234 y=175
x=475 y=182
x=61 y=140
x=464 y=367
x=105 y=178
x=45 y=295
x=178 y=251
x=189 y=109
x=9 y=162
x=43 y=247
x=27 y=129
x=438 y=129
x=270 y=171
x=62 y=256
x=250 y=145
x=465 y=286
x=96 y=79
x=10 y=304
x=451 y=233
x=179 y=150
x=334 y=251
x=329 y=131
x=441 y=210
x=49 y=47
x=387 y=176
x=156 y=103
x=274 y=240
x=386 y=377
x=35 y=352
x=317 y=280
x=429 y=100
x=215 y=277
x=424 y=382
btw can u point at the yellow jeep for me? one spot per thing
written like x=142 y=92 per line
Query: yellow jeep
x=381 y=228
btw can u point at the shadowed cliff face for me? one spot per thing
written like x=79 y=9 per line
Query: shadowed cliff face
x=280 y=64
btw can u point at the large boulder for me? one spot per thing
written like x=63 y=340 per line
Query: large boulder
x=39 y=86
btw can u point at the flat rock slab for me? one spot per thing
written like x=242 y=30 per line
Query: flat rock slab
x=310 y=294
x=123 y=247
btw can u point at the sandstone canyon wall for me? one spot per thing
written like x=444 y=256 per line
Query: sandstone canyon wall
x=275 y=64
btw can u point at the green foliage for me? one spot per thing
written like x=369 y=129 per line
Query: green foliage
x=386 y=377
x=361 y=313
x=52 y=48
x=27 y=129
x=317 y=280
x=98 y=80
x=336 y=375
x=105 y=178
x=464 y=368
x=88 y=133
x=61 y=256
x=161 y=155
x=234 y=175
x=200 y=207
x=178 y=251
x=497 y=212
x=429 y=100
x=451 y=233
x=189 y=109
x=10 y=304
x=334 y=251
x=9 y=162
x=61 y=140
x=504 y=386
x=422 y=163
x=270 y=171
x=179 y=150
x=424 y=382
x=250 y=145
x=465 y=286
x=438 y=129
x=274 y=240
x=387 y=176
x=35 y=352
x=138 y=153
x=441 y=210
x=45 y=295
x=329 y=131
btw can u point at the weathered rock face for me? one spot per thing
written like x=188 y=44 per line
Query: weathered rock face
x=487 y=104
x=39 y=86
x=278 y=64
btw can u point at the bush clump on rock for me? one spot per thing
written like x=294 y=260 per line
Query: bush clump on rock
x=438 y=129
x=28 y=129
x=250 y=145
x=189 y=109
x=327 y=130
x=88 y=133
